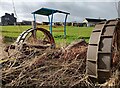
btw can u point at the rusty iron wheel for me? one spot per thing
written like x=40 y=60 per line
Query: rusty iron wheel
x=43 y=37
x=103 y=51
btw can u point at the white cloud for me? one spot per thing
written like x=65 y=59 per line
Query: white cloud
x=60 y=0
x=78 y=9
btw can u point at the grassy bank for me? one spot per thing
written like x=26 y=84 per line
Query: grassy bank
x=10 y=33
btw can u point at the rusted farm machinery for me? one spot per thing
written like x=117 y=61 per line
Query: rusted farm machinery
x=103 y=50
x=28 y=36
x=103 y=54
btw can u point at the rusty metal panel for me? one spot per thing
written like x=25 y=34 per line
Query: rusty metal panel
x=92 y=53
x=99 y=26
x=23 y=33
x=21 y=41
x=24 y=36
x=102 y=76
x=18 y=39
x=105 y=45
x=94 y=39
x=30 y=30
x=108 y=30
x=91 y=69
x=112 y=22
x=104 y=61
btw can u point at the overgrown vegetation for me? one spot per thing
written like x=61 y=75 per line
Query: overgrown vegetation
x=38 y=67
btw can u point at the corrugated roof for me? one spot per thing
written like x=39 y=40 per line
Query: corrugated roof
x=47 y=12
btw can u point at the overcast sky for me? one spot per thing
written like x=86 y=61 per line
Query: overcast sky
x=78 y=9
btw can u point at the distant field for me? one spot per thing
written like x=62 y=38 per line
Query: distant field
x=10 y=33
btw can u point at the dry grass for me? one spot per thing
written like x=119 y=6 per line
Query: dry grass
x=58 y=67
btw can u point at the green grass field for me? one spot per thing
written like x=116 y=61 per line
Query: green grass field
x=10 y=33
